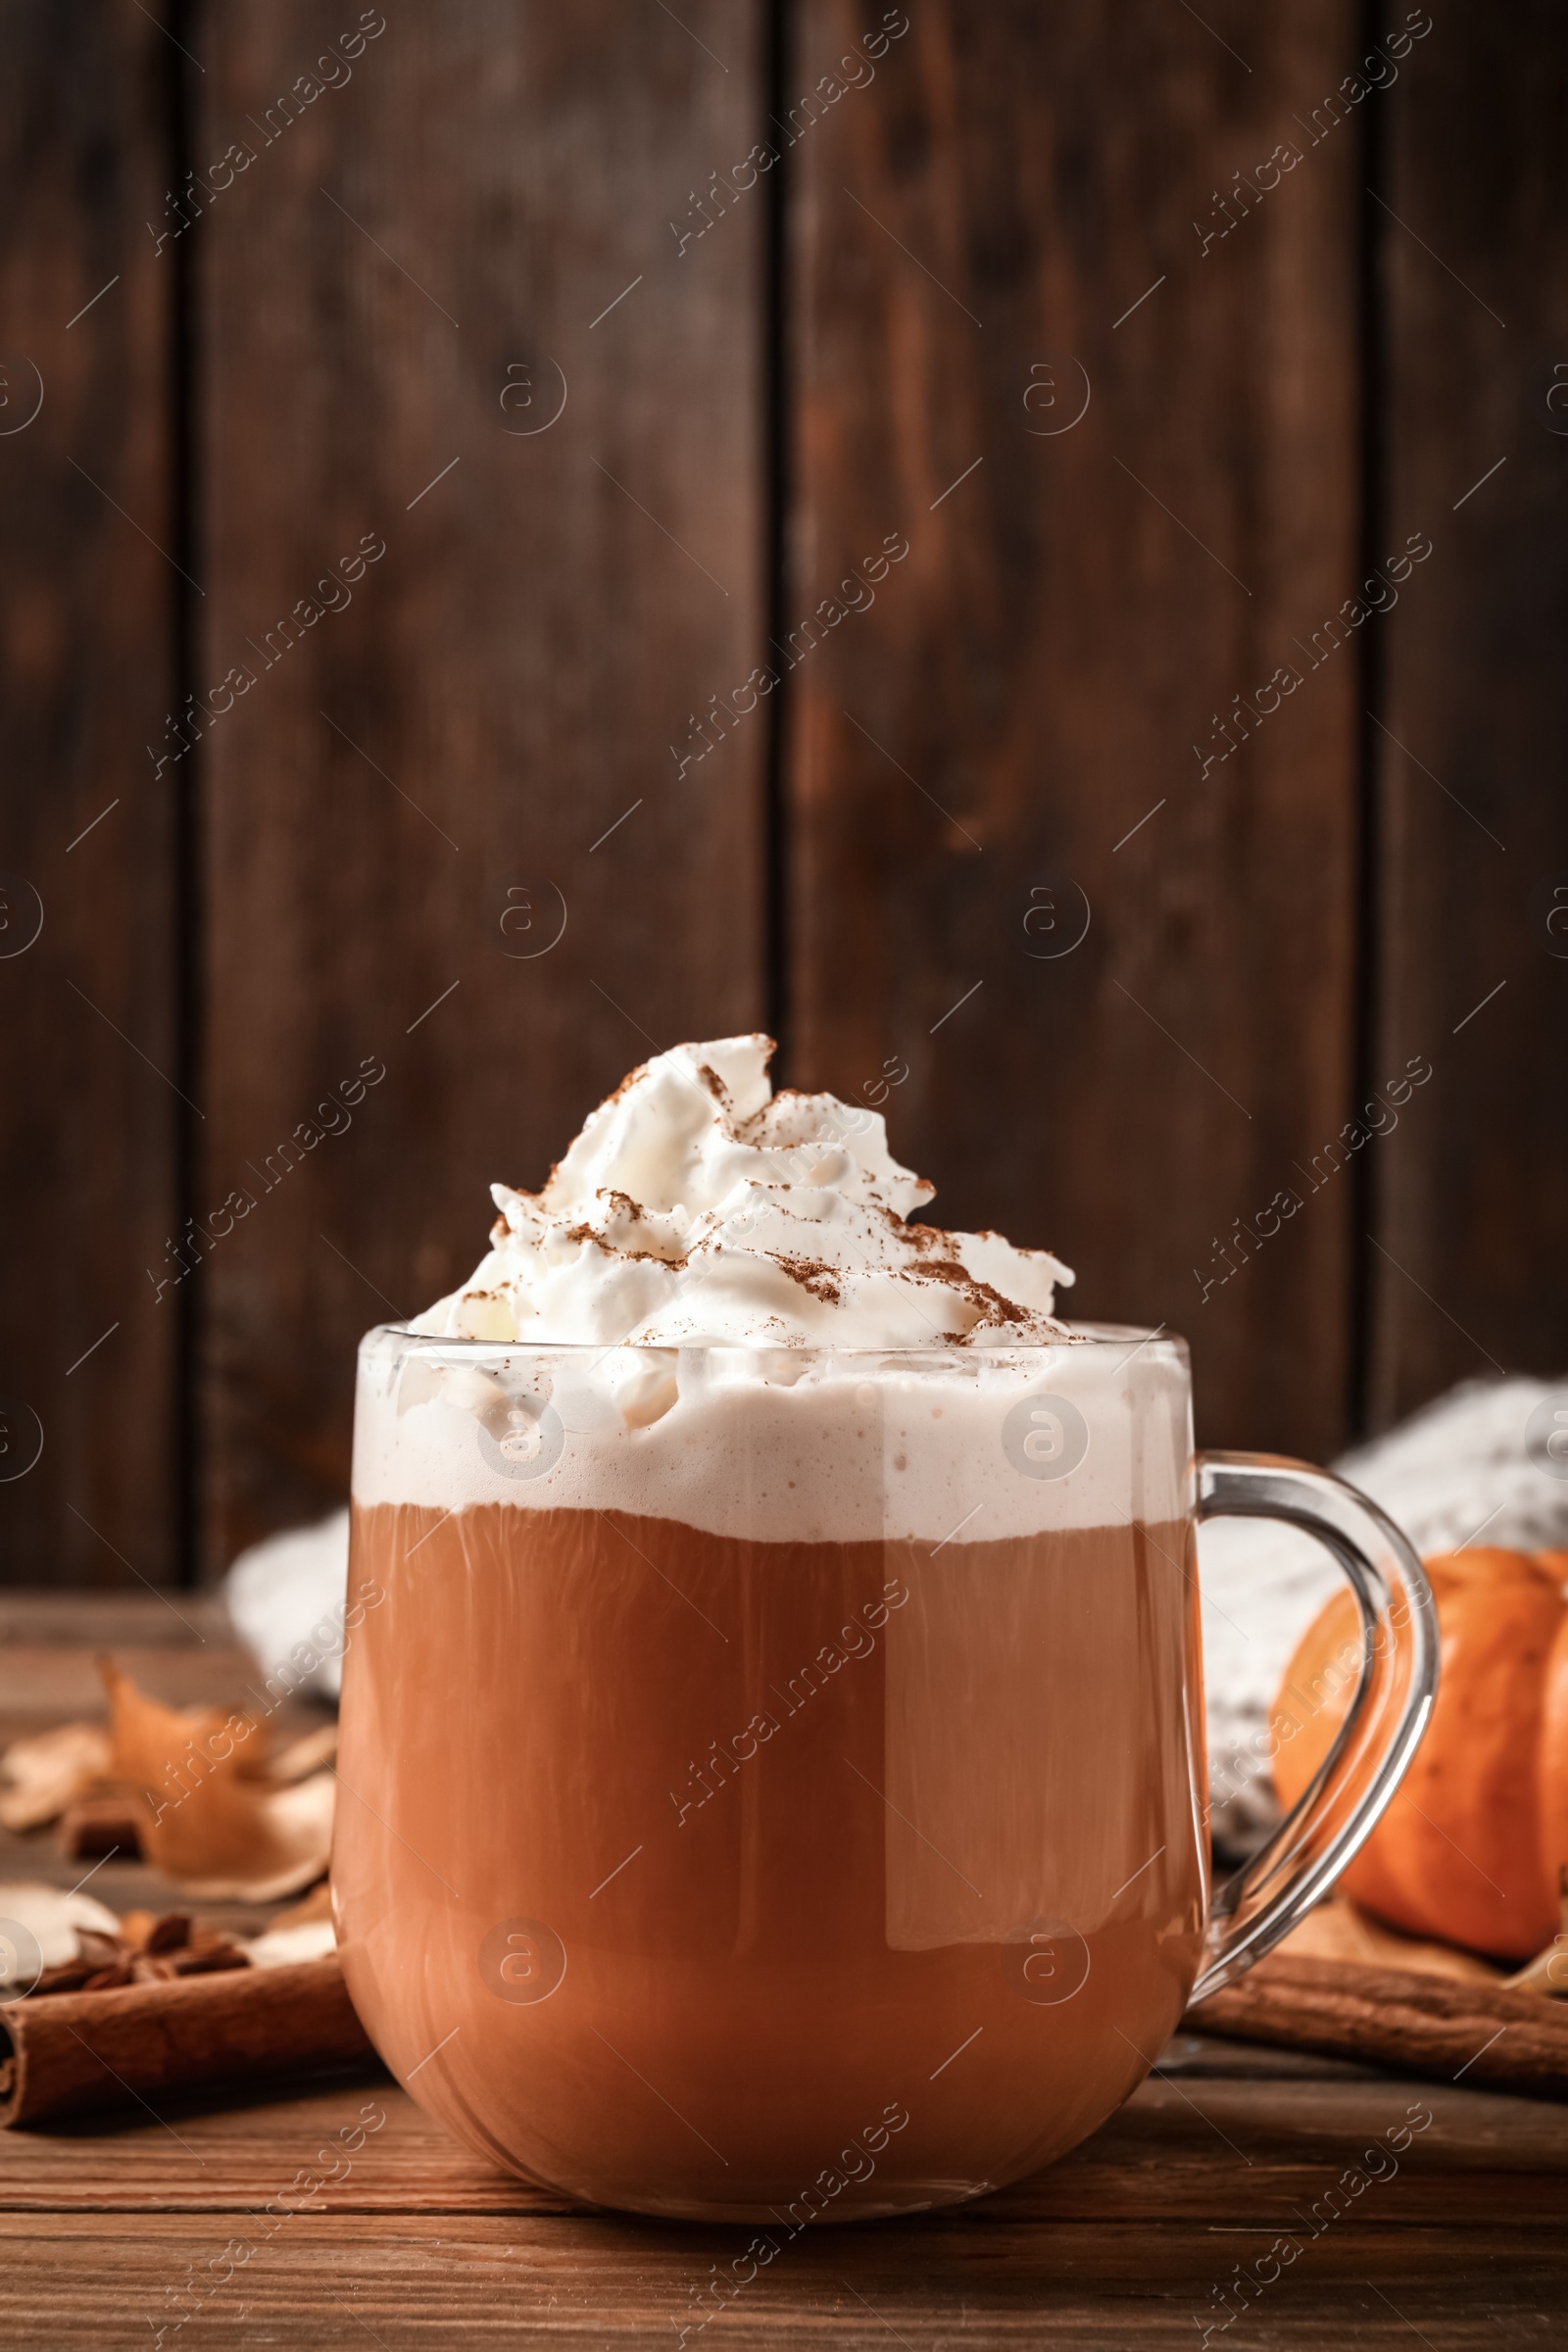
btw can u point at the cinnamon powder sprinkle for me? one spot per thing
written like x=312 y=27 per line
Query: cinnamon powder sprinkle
x=812 y=1275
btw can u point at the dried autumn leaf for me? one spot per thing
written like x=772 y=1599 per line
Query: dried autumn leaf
x=49 y=1770
x=1340 y=1929
x=1548 y=1972
x=305 y=1755
x=211 y=1830
x=282 y=1948
x=317 y=1905
x=41 y=1929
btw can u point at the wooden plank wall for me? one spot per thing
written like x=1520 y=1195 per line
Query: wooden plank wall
x=1470 y=1271
x=1041 y=403
x=1075 y=608
x=91 y=1046
x=391 y=296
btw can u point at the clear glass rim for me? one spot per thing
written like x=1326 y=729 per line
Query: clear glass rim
x=1132 y=1339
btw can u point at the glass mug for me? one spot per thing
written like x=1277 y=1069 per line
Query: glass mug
x=773 y=1781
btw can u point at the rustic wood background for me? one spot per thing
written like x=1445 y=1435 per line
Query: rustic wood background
x=449 y=221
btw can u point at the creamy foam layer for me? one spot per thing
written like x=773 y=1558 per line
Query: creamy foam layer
x=672 y=1295
x=697 y=1205
x=784 y=1445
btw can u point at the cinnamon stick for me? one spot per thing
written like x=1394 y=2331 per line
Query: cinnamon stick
x=1420 y=2025
x=74 y=2051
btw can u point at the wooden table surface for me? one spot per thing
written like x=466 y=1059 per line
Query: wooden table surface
x=112 y=2233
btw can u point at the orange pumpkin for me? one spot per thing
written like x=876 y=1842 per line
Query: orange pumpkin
x=1471 y=1848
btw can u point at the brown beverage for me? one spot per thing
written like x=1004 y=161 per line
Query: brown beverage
x=766 y=1879
x=773 y=1731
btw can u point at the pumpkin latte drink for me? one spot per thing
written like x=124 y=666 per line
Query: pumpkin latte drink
x=774 y=1781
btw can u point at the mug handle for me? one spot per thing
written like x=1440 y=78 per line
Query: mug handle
x=1342 y=1804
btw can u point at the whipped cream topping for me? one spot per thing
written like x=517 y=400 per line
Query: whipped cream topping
x=698 y=1206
